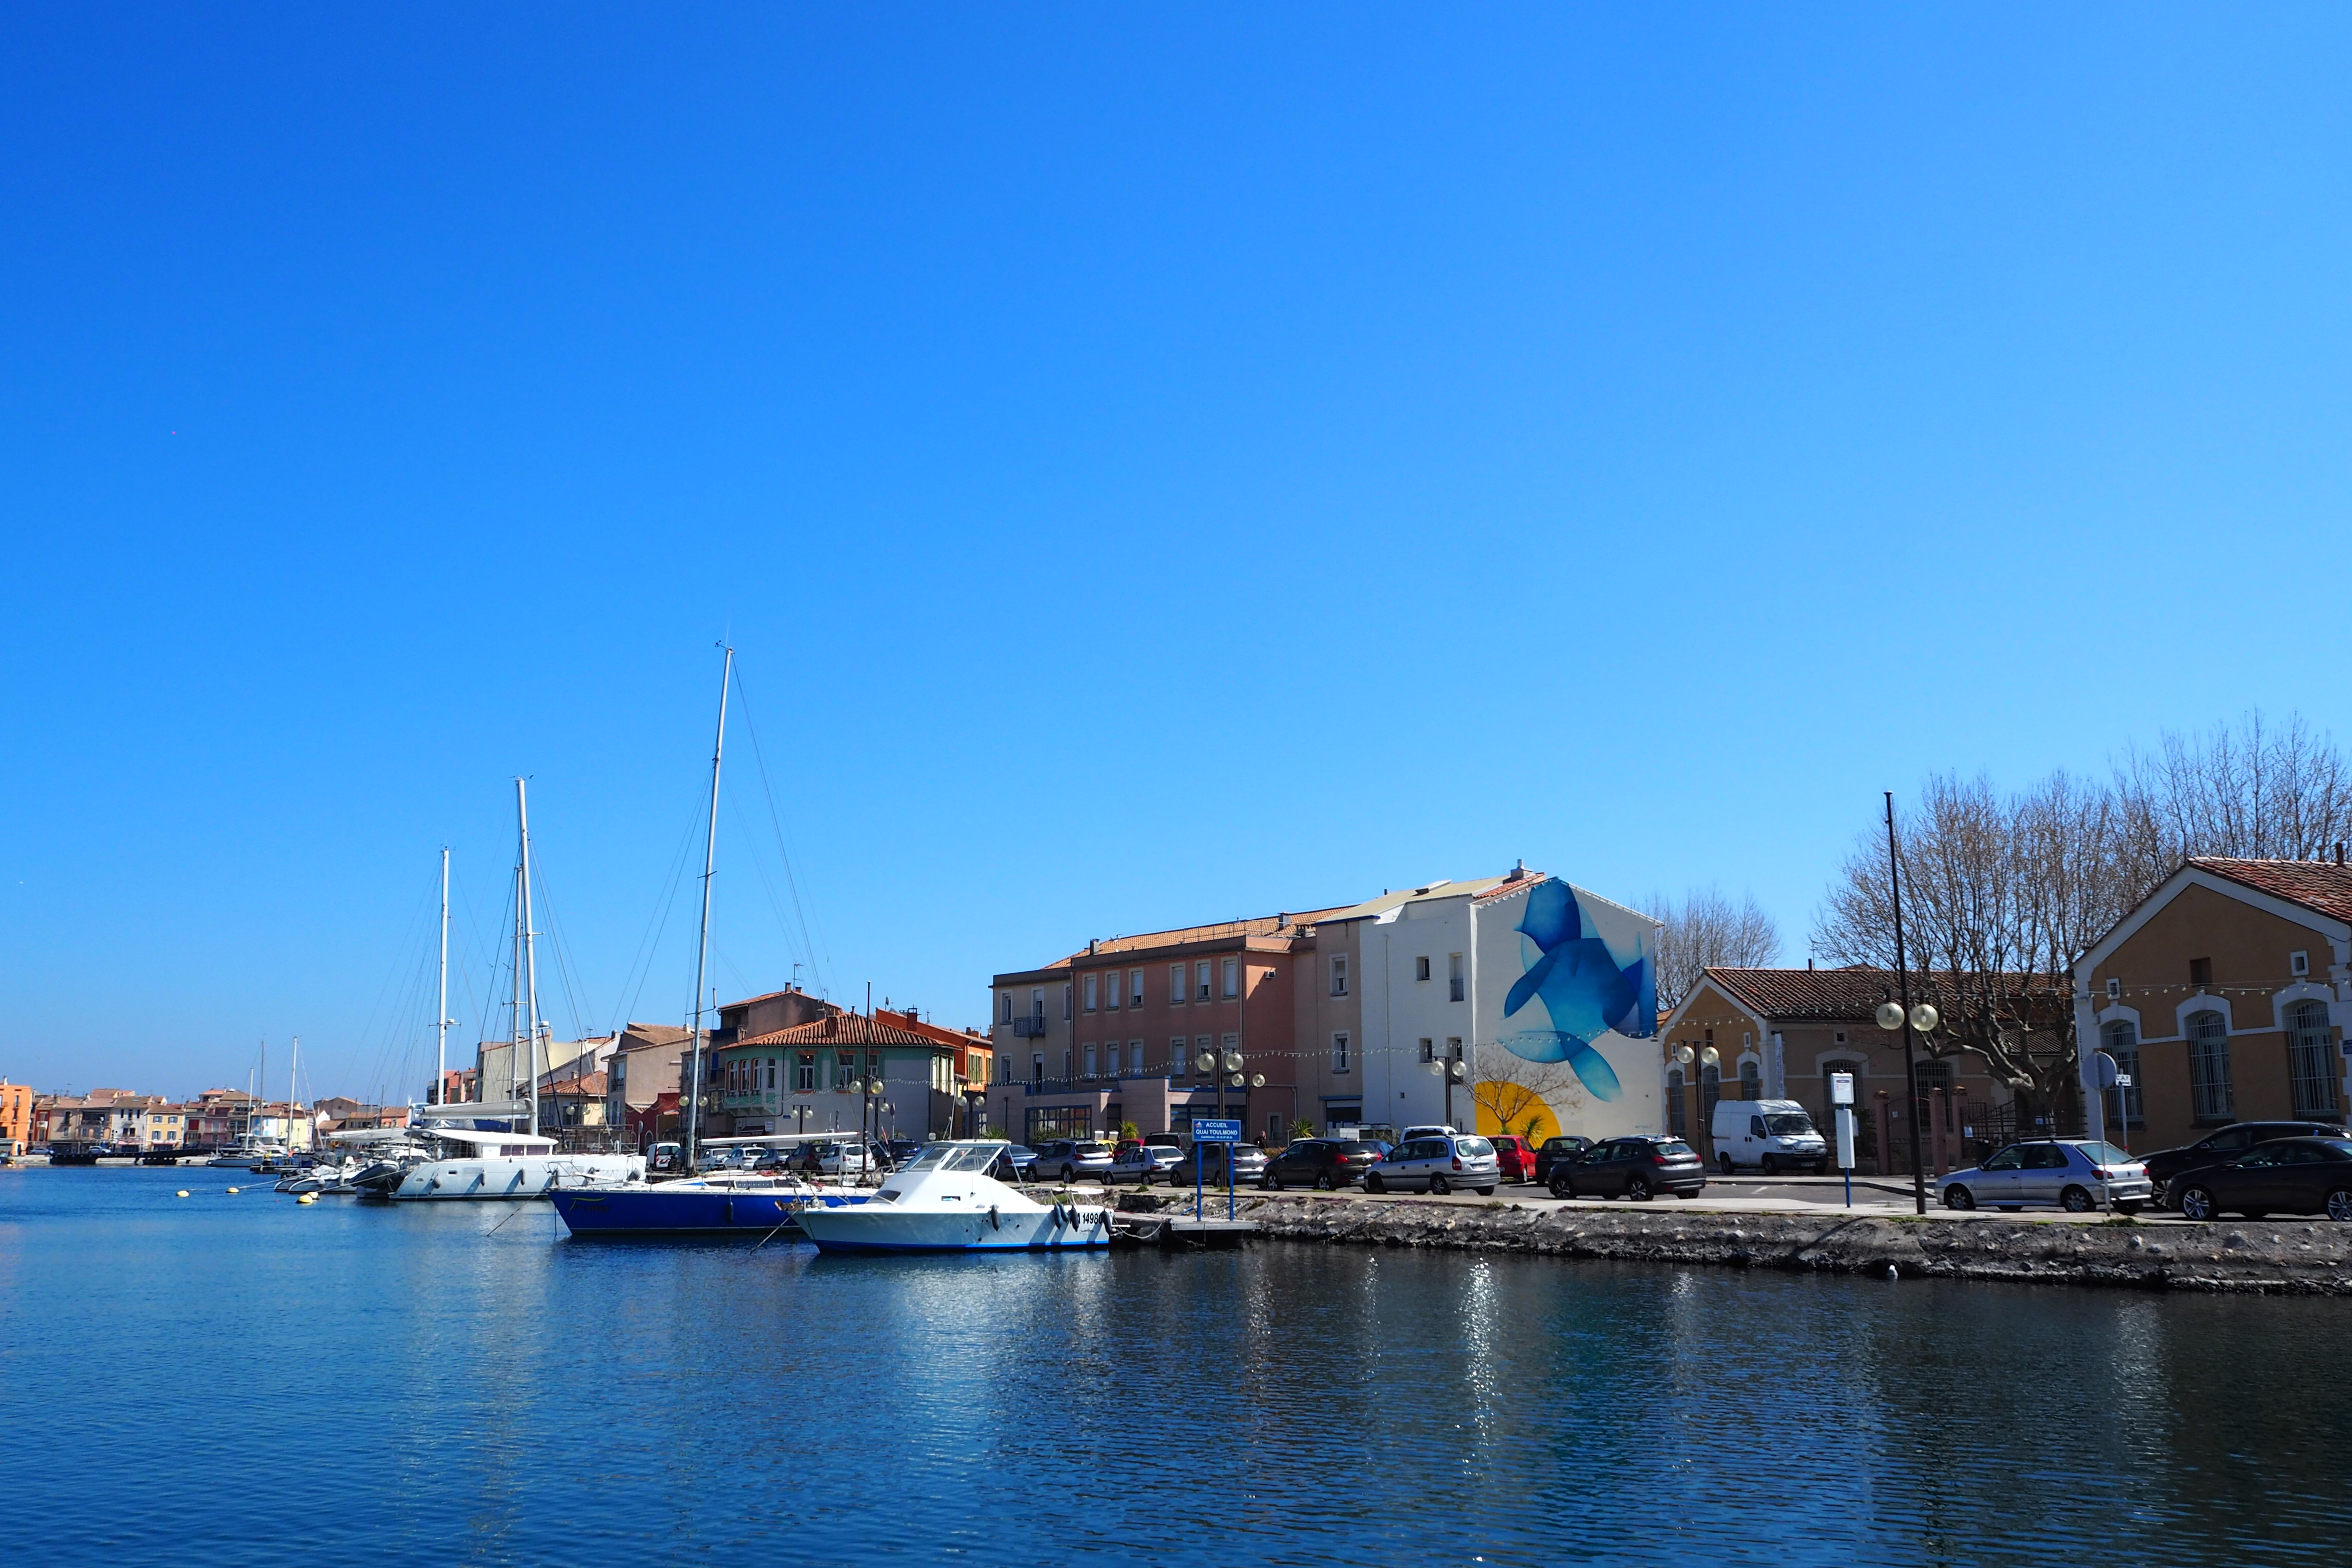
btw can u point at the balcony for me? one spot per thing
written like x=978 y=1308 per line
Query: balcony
x=1029 y=1026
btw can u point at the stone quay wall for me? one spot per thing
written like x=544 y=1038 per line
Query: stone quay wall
x=2272 y=1256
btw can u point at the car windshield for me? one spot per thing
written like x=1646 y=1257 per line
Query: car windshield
x=1787 y=1123
x=2105 y=1153
x=1475 y=1148
x=2341 y=1145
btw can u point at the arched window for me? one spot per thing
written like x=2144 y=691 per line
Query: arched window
x=2209 y=1099
x=1751 y=1081
x=2121 y=1041
x=1677 y=1116
x=2311 y=1059
x=1710 y=1089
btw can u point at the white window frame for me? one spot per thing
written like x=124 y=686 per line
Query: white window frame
x=1089 y=1057
x=1456 y=986
x=1180 y=1057
x=2299 y=964
x=1135 y=1057
x=1232 y=978
x=1202 y=981
x=1092 y=982
x=1421 y=969
x=1339 y=974
x=1175 y=985
x=1135 y=989
x=1339 y=1043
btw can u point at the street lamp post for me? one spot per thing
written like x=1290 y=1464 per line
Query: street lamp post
x=1453 y=1071
x=1905 y=1018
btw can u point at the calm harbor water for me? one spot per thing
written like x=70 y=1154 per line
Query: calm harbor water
x=240 y=1379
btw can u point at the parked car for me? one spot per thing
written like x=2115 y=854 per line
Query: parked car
x=902 y=1149
x=663 y=1157
x=1773 y=1135
x=1325 y=1165
x=1517 y=1155
x=1438 y=1164
x=2075 y=1173
x=1565 y=1149
x=1014 y=1164
x=1433 y=1131
x=1164 y=1141
x=1143 y=1163
x=724 y=1160
x=1067 y=1159
x=849 y=1157
x=1203 y=1164
x=1637 y=1167
x=2286 y=1176
x=2225 y=1143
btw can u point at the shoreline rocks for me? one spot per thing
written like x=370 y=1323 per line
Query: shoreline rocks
x=2293 y=1257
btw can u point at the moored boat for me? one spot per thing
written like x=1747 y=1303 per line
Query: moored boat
x=701 y=1206
x=946 y=1201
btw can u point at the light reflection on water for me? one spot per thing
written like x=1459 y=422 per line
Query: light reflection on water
x=391 y=1387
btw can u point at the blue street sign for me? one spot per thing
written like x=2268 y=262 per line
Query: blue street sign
x=1214 y=1129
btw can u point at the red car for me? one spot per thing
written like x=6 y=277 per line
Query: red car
x=1518 y=1155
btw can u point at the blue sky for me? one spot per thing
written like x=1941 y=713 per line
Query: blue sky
x=1156 y=465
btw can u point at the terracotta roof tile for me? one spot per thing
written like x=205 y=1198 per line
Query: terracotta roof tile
x=1851 y=993
x=1262 y=925
x=843 y=1029
x=2315 y=885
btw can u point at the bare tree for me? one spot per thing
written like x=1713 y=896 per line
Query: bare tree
x=1527 y=1095
x=2258 y=791
x=1704 y=929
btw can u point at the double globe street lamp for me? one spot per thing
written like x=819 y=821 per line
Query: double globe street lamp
x=1913 y=1022
x=1453 y=1070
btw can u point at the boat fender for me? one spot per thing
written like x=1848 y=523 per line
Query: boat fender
x=992 y=1223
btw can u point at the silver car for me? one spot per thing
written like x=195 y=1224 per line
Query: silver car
x=2075 y=1174
x=1143 y=1163
x=1438 y=1165
x=1067 y=1159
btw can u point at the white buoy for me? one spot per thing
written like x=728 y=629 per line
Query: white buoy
x=1894 y=1273
x=233 y=1189
x=180 y=1194
x=308 y=1198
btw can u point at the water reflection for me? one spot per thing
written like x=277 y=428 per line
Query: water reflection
x=239 y=1371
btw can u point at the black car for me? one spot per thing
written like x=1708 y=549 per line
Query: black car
x=1325 y=1165
x=2286 y=1176
x=1566 y=1148
x=2227 y=1143
x=1636 y=1167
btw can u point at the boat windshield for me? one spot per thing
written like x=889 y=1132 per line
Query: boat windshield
x=970 y=1159
x=932 y=1158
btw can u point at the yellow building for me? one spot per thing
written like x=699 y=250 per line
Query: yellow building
x=15 y=1117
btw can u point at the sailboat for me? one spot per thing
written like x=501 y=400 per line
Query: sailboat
x=470 y=1162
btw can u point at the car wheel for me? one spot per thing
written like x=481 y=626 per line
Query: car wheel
x=1485 y=1191
x=1438 y=1187
x=2126 y=1206
x=1373 y=1183
x=1271 y=1181
x=2077 y=1200
x=1069 y=1173
x=2196 y=1203
x=1325 y=1184
x=1959 y=1198
x=1561 y=1187
x=1771 y=1164
x=1638 y=1188
x=1722 y=1163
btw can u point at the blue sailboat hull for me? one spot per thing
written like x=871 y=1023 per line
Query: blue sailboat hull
x=679 y=1209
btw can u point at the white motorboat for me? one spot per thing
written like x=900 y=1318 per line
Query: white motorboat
x=507 y=1165
x=946 y=1201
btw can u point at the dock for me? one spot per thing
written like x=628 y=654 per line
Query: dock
x=1174 y=1231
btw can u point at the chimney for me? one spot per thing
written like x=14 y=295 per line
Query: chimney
x=1090 y=947
x=1519 y=870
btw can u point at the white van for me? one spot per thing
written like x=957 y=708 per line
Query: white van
x=1774 y=1135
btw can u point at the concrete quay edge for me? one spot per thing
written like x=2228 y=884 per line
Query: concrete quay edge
x=2282 y=1256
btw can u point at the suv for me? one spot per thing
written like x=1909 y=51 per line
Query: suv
x=2227 y=1143
x=1560 y=1151
x=1637 y=1167
x=1438 y=1164
x=1324 y=1163
x=1070 y=1158
x=1204 y=1165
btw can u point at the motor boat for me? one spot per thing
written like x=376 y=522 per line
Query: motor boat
x=471 y=1164
x=945 y=1200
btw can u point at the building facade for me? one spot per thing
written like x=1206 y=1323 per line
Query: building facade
x=2224 y=997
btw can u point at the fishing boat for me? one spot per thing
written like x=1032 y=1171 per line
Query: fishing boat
x=946 y=1201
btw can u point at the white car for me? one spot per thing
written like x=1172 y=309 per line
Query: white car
x=2076 y=1174
x=1143 y=1163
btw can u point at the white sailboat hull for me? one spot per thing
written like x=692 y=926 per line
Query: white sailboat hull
x=877 y=1227
x=511 y=1176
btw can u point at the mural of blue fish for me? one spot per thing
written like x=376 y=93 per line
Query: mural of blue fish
x=1587 y=990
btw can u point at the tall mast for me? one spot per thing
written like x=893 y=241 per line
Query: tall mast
x=702 y=944
x=441 y=1008
x=291 y=1072
x=529 y=978
x=515 y=1013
